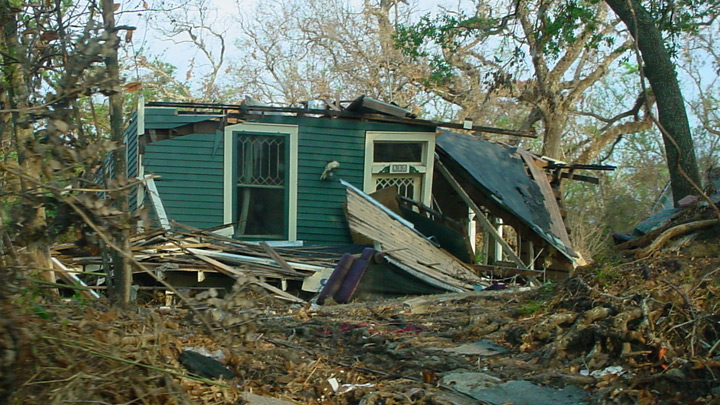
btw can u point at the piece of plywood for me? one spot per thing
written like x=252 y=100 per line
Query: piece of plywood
x=157 y=202
x=405 y=247
x=557 y=225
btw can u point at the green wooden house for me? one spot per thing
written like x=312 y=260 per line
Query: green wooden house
x=273 y=173
x=263 y=169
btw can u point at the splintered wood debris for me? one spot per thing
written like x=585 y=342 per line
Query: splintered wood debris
x=405 y=247
x=163 y=253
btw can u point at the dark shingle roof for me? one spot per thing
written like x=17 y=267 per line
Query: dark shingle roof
x=500 y=173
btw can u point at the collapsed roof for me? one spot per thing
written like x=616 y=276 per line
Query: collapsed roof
x=500 y=173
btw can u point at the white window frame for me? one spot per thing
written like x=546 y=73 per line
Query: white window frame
x=425 y=166
x=292 y=169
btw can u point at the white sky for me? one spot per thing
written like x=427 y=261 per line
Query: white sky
x=153 y=42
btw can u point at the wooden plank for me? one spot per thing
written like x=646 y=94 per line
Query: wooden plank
x=235 y=273
x=157 y=202
x=72 y=279
x=479 y=215
x=557 y=225
x=278 y=292
x=579 y=177
x=278 y=259
x=222 y=267
x=251 y=259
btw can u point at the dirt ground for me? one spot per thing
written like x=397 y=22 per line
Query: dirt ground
x=628 y=331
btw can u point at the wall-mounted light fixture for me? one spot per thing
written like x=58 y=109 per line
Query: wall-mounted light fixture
x=329 y=171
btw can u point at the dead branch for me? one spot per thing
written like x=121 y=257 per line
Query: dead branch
x=661 y=240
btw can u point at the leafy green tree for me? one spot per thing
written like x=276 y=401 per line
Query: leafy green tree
x=570 y=45
x=543 y=57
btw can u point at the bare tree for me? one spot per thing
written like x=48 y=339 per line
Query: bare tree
x=492 y=64
x=701 y=64
x=301 y=50
x=200 y=32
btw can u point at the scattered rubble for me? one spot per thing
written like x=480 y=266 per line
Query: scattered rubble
x=626 y=331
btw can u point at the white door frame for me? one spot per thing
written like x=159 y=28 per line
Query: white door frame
x=292 y=169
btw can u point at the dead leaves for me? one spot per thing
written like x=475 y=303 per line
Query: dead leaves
x=48 y=36
x=132 y=86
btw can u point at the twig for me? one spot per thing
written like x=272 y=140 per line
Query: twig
x=683 y=295
x=73 y=201
x=712 y=349
x=315 y=367
x=688 y=303
x=602 y=294
x=365 y=369
x=702 y=279
x=65 y=343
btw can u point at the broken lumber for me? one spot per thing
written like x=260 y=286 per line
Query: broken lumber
x=405 y=247
x=157 y=202
x=72 y=279
x=277 y=292
x=278 y=259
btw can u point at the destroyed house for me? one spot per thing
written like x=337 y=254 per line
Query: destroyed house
x=263 y=169
x=272 y=173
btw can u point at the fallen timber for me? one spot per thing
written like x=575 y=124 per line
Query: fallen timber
x=191 y=257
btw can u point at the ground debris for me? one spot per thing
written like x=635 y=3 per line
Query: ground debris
x=632 y=331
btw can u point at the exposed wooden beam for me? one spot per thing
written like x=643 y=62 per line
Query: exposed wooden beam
x=479 y=215
x=249 y=112
x=578 y=177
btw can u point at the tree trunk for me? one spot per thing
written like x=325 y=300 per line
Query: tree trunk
x=554 y=123
x=122 y=274
x=660 y=72
x=17 y=95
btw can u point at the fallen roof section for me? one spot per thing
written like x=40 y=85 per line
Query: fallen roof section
x=405 y=247
x=501 y=174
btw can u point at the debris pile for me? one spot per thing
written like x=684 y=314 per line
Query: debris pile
x=167 y=260
x=626 y=331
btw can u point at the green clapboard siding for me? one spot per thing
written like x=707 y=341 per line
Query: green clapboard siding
x=320 y=215
x=131 y=153
x=168 y=118
x=191 y=167
x=191 y=182
x=321 y=219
